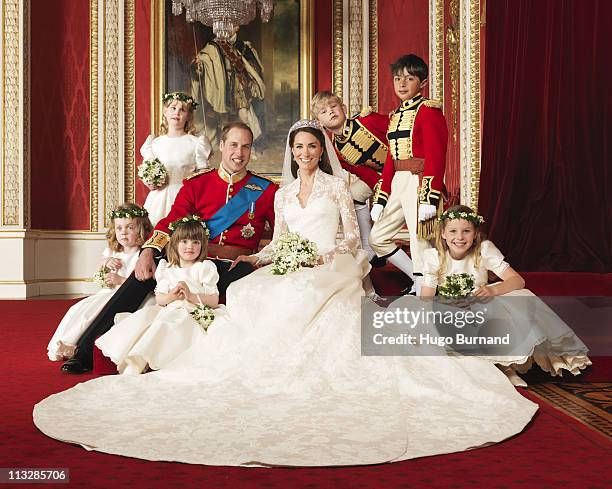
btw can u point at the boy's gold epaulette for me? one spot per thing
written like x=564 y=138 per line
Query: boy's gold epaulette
x=435 y=104
x=198 y=173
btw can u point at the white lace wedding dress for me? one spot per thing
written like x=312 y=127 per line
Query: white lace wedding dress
x=280 y=380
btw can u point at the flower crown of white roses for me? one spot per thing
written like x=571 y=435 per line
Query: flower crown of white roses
x=467 y=216
x=128 y=213
x=187 y=219
x=180 y=96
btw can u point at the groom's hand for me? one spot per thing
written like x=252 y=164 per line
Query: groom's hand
x=145 y=266
x=252 y=259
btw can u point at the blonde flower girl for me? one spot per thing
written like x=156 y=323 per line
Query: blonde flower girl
x=177 y=149
x=542 y=335
x=130 y=226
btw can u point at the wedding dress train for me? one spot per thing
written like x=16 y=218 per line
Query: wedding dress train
x=280 y=379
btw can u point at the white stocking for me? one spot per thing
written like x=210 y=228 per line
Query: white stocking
x=402 y=261
x=365 y=226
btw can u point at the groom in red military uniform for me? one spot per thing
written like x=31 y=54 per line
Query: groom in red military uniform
x=234 y=202
x=362 y=148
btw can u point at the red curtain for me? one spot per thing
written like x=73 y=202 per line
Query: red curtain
x=547 y=133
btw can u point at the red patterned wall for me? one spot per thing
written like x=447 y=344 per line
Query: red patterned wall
x=324 y=20
x=403 y=28
x=60 y=115
x=142 y=75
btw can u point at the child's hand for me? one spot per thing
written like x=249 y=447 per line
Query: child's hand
x=113 y=264
x=484 y=291
x=112 y=278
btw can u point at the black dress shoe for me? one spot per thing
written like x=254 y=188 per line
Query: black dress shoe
x=378 y=262
x=74 y=366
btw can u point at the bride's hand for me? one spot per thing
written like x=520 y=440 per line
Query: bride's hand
x=252 y=259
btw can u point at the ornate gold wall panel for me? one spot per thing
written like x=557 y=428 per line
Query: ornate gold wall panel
x=436 y=49
x=373 y=61
x=453 y=36
x=93 y=116
x=112 y=126
x=470 y=101
x=355 y=50
x=129 y=101
x=307 y=54
x=13 y=90
x=338 y=59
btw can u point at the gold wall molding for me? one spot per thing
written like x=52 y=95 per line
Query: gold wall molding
x=453 y=37
x=158 y=69
x=373 y=51
x=93 y=115
x=436 y=49
x=307 y=54
x=355 y=50
x=338 y=57
x=129 y=101
x=355 y=53
x=470 y=139
x=15 y=111
x=112 y=126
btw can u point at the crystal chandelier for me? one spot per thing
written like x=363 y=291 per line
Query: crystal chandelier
x=225 y=16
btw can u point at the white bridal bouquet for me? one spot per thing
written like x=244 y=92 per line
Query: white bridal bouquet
x=100 y=276
x=292 y=252
x=457 y=285
x=153 y=172
x=204 y=315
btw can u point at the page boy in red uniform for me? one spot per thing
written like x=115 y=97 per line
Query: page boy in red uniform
x=412 y=189
x=361 y=145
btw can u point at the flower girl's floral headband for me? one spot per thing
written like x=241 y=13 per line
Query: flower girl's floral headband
x=128 y=213
x=467 y=216
x=187 y=219
x=181 y=97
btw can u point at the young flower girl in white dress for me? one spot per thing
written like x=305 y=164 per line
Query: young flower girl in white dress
x=462 y=249
x=156 y=335
x=129 y=229
x=178 y=149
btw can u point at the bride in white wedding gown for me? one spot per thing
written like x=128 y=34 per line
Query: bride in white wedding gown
x=280 y=379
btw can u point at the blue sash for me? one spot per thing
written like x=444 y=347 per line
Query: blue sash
x=237 y=205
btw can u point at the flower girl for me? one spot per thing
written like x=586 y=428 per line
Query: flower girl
x=129 y=229
x=172 y=156
x=461 y=251
x=186 y=293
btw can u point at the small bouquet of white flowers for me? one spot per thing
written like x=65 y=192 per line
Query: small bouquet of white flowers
x=204 y=315
x=292 y=252
x=457 y=285
x=153 y=172
x=100 y=277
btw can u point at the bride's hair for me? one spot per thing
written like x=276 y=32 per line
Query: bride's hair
x=324 y=163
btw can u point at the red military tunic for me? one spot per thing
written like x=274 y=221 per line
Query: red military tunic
x=204 y=195
x=417 y=129
x=362 y=148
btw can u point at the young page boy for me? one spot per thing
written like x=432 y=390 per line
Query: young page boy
x=362 y=148
x=412 y=189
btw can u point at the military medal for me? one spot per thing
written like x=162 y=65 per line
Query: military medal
x=247 y=231
x=252 y=212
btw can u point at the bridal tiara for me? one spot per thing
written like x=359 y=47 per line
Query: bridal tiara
x=305 y=123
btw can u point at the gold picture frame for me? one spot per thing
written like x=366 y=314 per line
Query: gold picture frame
x=269 y=161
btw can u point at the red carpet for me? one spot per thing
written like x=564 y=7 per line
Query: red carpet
x=554 y=451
